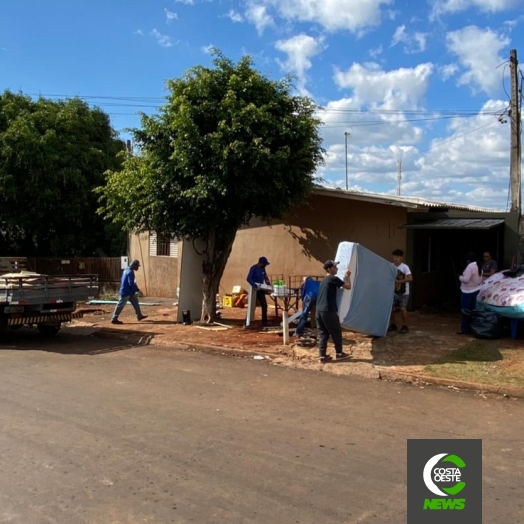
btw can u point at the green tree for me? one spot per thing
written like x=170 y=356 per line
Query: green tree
x=228 y=145
x=52 y=155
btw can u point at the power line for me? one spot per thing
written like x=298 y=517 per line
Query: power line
x=151 y=99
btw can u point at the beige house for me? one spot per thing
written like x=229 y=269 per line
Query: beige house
x=158 y=276
x=311 y=233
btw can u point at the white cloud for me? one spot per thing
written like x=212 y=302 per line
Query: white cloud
x=332 y=15
x=420 y=39
x=399 y=35
x=376 y=51
x=163 y=40
x=487 y=6
x=415 y=43
x=207 y=49
x=478 y=51
x=257 y=14
x=186 y=2
x=300 y=49
x=512 y=24
x=138 y=32
x=466 y=163
x=235 y=16
x=397 y=89
x=170 y=15
x=447 y=71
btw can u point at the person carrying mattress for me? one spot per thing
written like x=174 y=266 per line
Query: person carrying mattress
x=327 y=311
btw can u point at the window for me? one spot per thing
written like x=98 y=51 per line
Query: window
x=162 y=245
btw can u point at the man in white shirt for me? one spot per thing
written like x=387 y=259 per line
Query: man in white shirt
x=401 y=294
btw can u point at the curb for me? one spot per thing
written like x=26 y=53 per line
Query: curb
x=506 y=391
x=383 y=374
x=208 y=348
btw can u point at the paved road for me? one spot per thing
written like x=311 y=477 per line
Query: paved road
x=92 y=435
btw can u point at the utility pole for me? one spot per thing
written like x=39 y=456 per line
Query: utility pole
x=399 y=175
x=515 y=159
x=515 y=153
x=346 y=135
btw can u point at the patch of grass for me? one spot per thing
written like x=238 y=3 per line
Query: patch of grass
x=481 y=361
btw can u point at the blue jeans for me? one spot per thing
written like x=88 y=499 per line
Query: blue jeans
x=467 y=301
x=307 y=306
x=123 y=301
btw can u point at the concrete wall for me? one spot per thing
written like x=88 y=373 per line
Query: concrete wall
x=158 y=276
x=311 y=234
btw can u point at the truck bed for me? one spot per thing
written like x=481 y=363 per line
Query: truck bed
x=39 y=290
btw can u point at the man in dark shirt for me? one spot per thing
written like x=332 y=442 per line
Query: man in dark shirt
x=327 y=311
x=257 y=276
x=489 y=266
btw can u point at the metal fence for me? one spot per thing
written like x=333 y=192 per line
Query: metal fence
x=108 y=269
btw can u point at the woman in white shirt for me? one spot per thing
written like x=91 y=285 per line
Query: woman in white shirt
x=470 y=282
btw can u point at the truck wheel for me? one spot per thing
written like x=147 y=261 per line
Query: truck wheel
x=48 y=330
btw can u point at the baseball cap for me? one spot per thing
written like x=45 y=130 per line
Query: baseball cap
x=263 y=260
x=329 y=264
x=135 y=263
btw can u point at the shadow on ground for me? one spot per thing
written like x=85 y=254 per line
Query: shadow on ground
x=75 y=341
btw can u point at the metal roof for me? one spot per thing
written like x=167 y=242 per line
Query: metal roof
x=457 y=223
x=403 y=201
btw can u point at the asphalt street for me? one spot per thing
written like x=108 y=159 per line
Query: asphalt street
x=94 y=432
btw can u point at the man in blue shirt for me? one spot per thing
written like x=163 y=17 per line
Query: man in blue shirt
x=128 y=292
x=256 y=277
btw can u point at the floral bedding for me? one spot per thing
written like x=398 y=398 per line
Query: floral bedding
x=502 y=291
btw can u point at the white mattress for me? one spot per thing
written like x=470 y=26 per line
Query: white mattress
x=366 y=308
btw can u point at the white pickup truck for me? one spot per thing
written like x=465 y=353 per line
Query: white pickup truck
x=27 y=298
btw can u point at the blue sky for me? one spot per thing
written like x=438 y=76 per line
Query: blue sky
x=417 y=81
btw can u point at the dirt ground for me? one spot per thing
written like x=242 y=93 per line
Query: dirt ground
x=432 y=346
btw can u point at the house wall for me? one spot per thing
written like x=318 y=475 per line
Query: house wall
x=158 y=276
x=310 y=235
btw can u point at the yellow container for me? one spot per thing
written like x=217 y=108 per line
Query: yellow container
x=228 y=301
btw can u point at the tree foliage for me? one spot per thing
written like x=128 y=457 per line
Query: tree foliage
x=228 y=145
x=52 y=155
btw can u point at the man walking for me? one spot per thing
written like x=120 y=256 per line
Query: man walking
x=327 y=311
x=128 y=292
x=256 y=277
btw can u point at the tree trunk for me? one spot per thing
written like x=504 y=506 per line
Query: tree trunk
x=215 y=256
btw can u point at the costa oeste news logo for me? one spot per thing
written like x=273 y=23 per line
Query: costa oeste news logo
x=444 y=488
x=435 y=476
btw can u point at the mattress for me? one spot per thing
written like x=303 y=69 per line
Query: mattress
x=504 y=295
x=366 y=307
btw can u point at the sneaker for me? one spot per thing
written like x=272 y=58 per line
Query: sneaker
x=142 y=317
x=324 y=359
x=392 y=327
x=116 y=321
x=343 y=356
x=404 y=329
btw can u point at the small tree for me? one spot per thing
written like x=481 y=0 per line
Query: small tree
x=229 y=145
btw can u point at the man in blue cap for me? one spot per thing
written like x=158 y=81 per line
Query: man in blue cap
x=128 y=292
x=256 y=277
